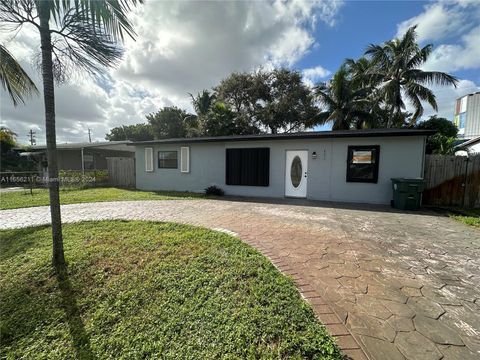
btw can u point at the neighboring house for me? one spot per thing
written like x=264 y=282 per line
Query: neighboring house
x=468 y=147
x=82 y=156
x=352 y=165
x=467 y=116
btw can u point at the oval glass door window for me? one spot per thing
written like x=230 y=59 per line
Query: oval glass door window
x=296 y=171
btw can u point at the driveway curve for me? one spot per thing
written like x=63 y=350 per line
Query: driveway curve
x=400 y=285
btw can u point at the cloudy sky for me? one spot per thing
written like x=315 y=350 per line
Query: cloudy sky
x=185 y=47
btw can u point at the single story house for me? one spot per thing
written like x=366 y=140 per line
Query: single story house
x=81 y=156
x=350 y=166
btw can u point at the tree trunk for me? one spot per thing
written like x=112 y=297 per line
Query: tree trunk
x=58 y=259
x=390 y=117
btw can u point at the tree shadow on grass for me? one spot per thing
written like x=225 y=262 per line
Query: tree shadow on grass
x=80 y=337
x=20 y=241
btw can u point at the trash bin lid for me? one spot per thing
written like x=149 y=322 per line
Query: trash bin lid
x=408 y=180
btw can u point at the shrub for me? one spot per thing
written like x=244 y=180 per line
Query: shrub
x=214 y=190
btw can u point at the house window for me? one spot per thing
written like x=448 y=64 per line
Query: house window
x=362 y=163
x=167 y=160
x=248 y=166
x=88 y=163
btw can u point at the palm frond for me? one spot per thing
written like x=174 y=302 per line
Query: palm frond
x=84 y=45
x=417 y=104
x=407 y=46
x=322 y=117
x=324 y=98
x=108 y=15
x=420 y=57
x=14 y=79
x=378 y=55
x=424 y=93
x=432 y=77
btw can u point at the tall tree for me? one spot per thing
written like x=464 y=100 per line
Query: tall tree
x=284 y=102
x=8 y=139
x=441 y=125
x=237 y=91
x=222 y=121
x=137 y=132
x=10 y=160
x=202 y=102
x=84 y=35
x=14 y=79
x=395 y=71
x=275 y=100
x=346 y=106
x=171 y=122
x=443 y=141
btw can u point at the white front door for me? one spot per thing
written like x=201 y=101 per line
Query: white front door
x=296 y=173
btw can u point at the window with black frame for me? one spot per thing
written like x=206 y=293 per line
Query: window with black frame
x=167 y=160
x=362 y=163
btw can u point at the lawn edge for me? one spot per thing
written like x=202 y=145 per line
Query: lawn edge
x=346 y=342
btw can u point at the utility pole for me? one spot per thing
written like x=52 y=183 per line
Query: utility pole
x=89 y=135
x=31 y=135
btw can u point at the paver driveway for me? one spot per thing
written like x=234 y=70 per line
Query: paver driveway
x=404 y=285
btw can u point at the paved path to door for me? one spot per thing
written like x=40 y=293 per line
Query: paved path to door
x=404 y=285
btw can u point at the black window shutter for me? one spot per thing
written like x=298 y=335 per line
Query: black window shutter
x=263 y=167
x=248 y=166
x=233 y=167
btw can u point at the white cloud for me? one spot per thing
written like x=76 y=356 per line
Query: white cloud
x=312 y=75
x=437 y=21
x=188 y=46
x=454 y=26
x=181 y=47
x=453 y=57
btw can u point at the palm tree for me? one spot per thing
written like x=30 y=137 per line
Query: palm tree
x=395 y=72
x=203 y=102
x=14 y=79
x=346 y=105
x=84 y=35
x=358 y=70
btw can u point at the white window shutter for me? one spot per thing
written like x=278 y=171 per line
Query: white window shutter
x=148 y=159
x=185 y=159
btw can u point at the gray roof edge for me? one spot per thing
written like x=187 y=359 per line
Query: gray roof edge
x=82 y=145
x=293 y=136
x=468 y=142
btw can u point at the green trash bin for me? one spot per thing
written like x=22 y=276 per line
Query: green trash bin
x=407 y=193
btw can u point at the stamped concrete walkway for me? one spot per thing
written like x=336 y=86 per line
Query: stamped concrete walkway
x=406 y=286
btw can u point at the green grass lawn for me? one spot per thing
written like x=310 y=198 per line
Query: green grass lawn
x=19 y=199
x=469 y=217
x=144 y=290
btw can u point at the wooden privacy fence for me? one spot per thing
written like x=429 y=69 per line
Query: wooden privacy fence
x=452 y=181
x=121 y=171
